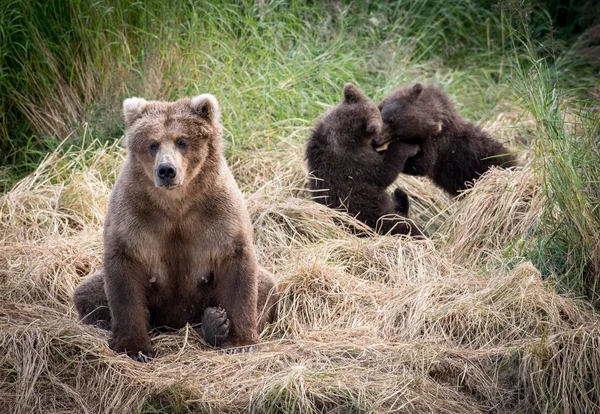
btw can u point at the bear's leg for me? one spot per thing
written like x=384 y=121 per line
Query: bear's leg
x=126 y=287
x=91 y=303
x=401 y=202
x=215 y=324
x=236 y=278
x=267 y=298
x=393 y=161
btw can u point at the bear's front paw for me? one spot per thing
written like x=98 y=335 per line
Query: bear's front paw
x=406 y=149
x=412 y=149
x=136 y=351
x=215 y=326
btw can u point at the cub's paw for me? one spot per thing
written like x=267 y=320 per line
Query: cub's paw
x=401 y=202
x=215 y=326
x=134 y=351
x=406 y=149
x=412 y=149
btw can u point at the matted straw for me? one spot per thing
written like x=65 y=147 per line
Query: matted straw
x=365 y=324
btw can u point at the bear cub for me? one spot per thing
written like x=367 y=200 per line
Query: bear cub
x=453 y=152
x=347 y=173
x=178 y=239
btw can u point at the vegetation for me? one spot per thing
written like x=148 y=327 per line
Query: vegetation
x=474 y=320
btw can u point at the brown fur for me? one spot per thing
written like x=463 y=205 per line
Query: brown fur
x=346 y=172
x=174 y=247
x=454 y=152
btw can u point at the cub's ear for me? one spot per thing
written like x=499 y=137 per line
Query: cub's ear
x=133 y=109
x=437 y=126
x=206 y=106
x=352 y=94
x=417 y=89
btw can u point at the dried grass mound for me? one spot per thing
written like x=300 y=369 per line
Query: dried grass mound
x=365 y=324
x=500 y=210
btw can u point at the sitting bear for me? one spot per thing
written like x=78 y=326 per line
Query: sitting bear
x=453 y=152
x=178 y=239
x=346 y=172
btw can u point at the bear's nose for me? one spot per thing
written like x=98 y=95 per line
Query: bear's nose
x=166 y=171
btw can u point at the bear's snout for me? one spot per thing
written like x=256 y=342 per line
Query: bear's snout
x=166 y=171
x=166 y=174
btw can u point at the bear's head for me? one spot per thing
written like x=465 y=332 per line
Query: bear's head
x=412 y=114
x=356 y=120
x=173 y=141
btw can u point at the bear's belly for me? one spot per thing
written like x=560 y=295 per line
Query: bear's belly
x=174 y=304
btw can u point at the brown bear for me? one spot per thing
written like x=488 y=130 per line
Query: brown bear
x=453 y=152
x=178 y=239
x=347 y=173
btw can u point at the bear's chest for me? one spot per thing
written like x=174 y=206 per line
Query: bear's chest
x=180 y=265
x=180 y=253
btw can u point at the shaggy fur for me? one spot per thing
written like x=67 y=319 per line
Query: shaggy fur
x=453 y=153
x=347 y=173
x=177 y=237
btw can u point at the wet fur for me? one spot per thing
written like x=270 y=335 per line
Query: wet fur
x=454 y=152
x=347 y=173
x=160 y=245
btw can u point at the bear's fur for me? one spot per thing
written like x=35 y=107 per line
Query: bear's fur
x=453 y=152
x=347 y=173
x=178 y=238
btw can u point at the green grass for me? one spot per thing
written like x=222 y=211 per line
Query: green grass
x=271 y=66
x=565 y=246
x=66 y=66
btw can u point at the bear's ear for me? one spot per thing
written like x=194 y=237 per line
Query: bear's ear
x=436 y=126
x=206 y=106
x=352 y=94
x=132 y=109
x=417 y=89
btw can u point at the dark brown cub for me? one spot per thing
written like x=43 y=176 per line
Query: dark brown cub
x=347 y=173
x=453 y=152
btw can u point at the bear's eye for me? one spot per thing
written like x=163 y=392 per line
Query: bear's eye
x=154 y=148
x=181 y=144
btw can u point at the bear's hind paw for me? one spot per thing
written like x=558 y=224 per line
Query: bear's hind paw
x=215 y=326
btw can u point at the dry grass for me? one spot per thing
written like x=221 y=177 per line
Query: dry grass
x=372 y=324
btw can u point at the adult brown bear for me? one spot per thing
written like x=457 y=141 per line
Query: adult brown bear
x=178 y=242
x=347 y=173
x=453 y=152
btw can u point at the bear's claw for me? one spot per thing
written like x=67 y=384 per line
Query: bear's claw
x=241 y=350
x=140 y=357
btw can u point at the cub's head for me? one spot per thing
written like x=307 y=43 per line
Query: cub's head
x=356 y=120
x=173 y=141
x=413 y=114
